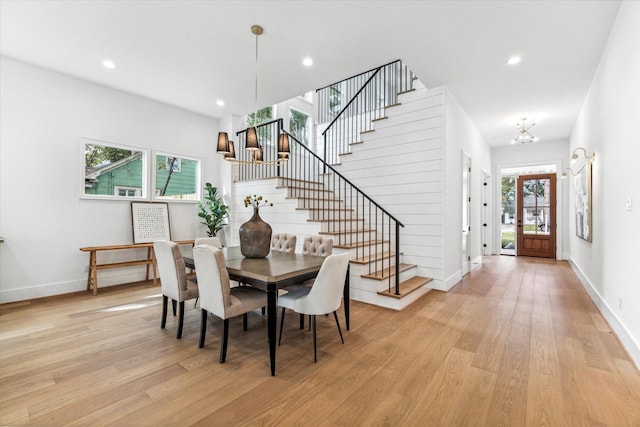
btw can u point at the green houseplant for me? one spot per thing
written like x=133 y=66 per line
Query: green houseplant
x=212 y=210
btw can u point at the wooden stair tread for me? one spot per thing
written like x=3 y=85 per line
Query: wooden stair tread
x=326 y=209
x=345 y=232
x=336 y=220
x=380 y=118
x=367 y=131
x=406 y=287
x=360 y=244
x=315 y=198
x=300 y=180
x=387 y=272
x=394 y=105
x=406 y=91
x=345 y=154
x=375 y=257
x=305 y=188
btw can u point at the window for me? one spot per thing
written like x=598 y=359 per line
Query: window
x=335 y=99
x=298 y=126
x=172 y=163
x=109 y=167
x=264 y=115
x=127 y=192
x=176 y=178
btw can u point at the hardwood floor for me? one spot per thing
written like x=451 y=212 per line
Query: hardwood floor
x=517 y=342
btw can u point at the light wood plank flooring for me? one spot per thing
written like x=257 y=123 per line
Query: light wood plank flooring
x=517 y=343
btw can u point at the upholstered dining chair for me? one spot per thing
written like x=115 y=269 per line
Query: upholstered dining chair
x=283 y=242
x=323 y=298
x=173 y=280
x=218 y=298
x=317 y=245
x=211 y=241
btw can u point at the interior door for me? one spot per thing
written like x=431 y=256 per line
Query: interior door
x=536 y=216
x=466 y=213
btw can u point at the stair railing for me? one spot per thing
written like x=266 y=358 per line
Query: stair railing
x=349 y=215
x=379 y=91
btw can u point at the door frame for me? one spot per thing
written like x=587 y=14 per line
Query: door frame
x=562 y=205
x=520 y=235
x=465 y=241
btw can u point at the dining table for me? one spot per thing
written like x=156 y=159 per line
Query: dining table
x=271 y=273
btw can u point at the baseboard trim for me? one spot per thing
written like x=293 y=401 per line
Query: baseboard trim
x=627 y=340
x=58 y=288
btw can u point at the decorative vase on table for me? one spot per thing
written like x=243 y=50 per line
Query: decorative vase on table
x=255 y=237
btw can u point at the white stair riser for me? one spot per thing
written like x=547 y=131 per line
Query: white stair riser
x=319 y=204
x=309 y=193
x=332 y=214
x=285 y=182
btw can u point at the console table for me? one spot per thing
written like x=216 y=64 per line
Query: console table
x=149 y=261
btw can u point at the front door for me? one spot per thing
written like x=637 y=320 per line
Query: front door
x=536 y=216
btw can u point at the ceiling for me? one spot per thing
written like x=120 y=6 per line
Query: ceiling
x=192 y=53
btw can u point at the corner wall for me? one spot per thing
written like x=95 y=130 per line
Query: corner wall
x=462 y=135
x=609 y=125
x=44 y=222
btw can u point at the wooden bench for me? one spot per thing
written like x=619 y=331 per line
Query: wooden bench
x=149 y=261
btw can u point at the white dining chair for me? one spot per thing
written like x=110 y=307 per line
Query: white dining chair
x=173 y=280
x=211 y=241
x=218 y=298
x=323 y=298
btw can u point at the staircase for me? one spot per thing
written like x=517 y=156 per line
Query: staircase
x=334 y=206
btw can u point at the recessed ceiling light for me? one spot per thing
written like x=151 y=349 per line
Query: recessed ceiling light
x=220 y=103
x=514 y=60
x=307 y=62
x=107 y=63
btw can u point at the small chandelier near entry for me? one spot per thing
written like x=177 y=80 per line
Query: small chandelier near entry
x=252 y=144
x=524 y=135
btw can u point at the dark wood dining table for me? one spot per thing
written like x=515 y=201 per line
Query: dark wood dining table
x=276 y=271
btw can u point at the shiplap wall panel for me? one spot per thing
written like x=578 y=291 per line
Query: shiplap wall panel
x=401 y=166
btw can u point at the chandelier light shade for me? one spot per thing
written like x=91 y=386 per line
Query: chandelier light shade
x=524 y=135
x=252 y=139
x=252 y=143
x=231 y=155
x=223 y=143
x=283 y=144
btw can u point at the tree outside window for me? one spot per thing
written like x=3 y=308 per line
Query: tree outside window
x=262 y=116
x=298 y=126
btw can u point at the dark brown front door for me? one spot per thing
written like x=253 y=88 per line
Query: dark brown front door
x=536 y=216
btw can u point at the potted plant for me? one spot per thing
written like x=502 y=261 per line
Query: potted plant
x=212 y=210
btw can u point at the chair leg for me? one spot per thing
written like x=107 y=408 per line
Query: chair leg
x=203 y=326
x=338 y=323
x=281 y=325
x=302 y=322
x=195 y=304
x=313 y=320
x=225 y=339
x=165 y=300
x=173 y=304
x=180 y=319
x=244 y=321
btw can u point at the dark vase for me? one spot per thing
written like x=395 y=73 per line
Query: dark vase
x=255 y=237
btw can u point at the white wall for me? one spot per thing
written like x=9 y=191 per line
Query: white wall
x=462 y=135
x=609 y=125
x=44 y=222
x=538 y=153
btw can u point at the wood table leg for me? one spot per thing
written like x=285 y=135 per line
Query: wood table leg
x=92 y=255
x=149 y=262
x=155 y=273
x=94 y=278
x=271 y=326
